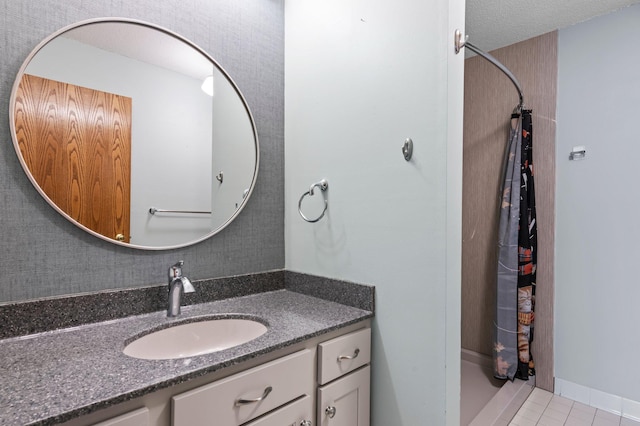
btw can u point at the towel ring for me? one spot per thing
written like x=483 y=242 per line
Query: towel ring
x=323 y=185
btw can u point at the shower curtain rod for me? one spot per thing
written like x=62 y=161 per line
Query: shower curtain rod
x=459 y=44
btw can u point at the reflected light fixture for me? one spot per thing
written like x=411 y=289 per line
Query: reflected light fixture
x=207 y=85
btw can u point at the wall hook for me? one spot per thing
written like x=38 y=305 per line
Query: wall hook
x=458 y=42
x=407 y=149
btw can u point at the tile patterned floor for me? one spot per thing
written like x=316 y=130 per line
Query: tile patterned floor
x=546 y=409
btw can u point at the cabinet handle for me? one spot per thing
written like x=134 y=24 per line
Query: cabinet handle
x=347 y=357
x=330 y=411
x=241 y=401
x=306 y=423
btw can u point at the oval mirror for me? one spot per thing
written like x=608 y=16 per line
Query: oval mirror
x=134 y=134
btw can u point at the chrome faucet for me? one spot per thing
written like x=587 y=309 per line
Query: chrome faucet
x=178 y=285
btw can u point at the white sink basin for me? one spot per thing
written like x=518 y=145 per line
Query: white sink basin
x=195 y=338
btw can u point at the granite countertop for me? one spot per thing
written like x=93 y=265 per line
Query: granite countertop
x=58 y=375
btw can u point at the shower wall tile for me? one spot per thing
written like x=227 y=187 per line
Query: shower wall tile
x=489 y=100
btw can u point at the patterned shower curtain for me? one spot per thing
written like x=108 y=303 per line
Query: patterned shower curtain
x=517 y=256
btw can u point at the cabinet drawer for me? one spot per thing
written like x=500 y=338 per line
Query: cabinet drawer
x=293 y=414
x=138 y=417
x=343 y=354
x=228 y=401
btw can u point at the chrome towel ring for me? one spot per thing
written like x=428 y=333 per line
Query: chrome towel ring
x=323 y=185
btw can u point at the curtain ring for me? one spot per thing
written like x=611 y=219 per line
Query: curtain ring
x=323 y=185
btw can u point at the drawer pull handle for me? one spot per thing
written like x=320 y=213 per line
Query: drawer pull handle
x=330 y=411
x=347 y=357
x=266 y=393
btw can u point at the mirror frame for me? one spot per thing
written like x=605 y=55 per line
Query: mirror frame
x=12 y=101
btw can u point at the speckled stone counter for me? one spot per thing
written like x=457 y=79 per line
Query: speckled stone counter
x=59 y=375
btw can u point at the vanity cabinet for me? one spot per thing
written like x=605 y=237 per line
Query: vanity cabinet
x=342 y=385
x=322 y=381
x=344 y=377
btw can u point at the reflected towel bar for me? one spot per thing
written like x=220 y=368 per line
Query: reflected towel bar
x=154 y=210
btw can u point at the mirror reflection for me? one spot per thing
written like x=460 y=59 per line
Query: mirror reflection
x=134 y=134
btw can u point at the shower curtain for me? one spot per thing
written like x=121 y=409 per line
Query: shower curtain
x=517 y=255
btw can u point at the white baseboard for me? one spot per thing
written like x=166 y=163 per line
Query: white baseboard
x=604 y=401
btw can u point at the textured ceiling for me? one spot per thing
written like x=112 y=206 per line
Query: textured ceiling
x=491 y=24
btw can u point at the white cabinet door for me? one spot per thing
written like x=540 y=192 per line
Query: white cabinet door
x=345 y=402
x=294 y=414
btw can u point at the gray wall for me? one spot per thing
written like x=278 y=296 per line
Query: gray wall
x=45 y=255
x=597 y=292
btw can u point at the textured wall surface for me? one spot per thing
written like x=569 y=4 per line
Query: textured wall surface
x=45 y=255
x=489 y=100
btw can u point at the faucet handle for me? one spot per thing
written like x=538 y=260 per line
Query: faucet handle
x=175 y=271
x=187 y=287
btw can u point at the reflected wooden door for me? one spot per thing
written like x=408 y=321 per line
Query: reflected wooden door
x=77 y=144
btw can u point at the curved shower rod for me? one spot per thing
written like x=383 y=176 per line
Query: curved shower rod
x=459 y=44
